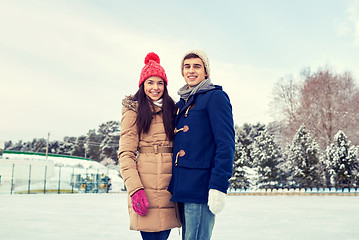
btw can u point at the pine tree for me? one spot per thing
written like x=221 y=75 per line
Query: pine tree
x=38 y=145
x=266 y=159
x=92 y=147
x=239 y=179
x=340 y=160
x=79 y=147
x=303 y=156
x=54 y=147
x=110 y=139
x=67 y=145
x=109 y=146
x=245 y=135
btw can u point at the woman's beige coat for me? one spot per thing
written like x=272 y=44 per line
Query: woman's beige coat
x=148 y=171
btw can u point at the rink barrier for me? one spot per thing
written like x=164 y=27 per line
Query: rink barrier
x=47 y=191
x=296 y=192
x=87 y=181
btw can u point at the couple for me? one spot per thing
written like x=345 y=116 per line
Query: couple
x=176 y=159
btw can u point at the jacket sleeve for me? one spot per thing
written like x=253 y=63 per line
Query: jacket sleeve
x=221 y=119
x=127 y=153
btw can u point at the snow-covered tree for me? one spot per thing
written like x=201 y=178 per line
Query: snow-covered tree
x=54 y=147
x=266 y=159
x=108 y=162
x=109 y=127
x=38 y=145
x=303 y=159
x=340 y=161
x=13 y=146
x=245 y=135
x=8 y=144
x=111 y=136
x=79 y=147
x=92 y=146
x=67 y=145
x=109 y=146
x=239 y=179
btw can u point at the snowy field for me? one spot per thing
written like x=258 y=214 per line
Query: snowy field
x=104 y=216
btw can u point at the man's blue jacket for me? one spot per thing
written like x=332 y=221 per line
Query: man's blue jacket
x=203 y=146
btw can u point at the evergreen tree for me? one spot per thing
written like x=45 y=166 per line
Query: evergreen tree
x=54 y=147
x=245 y=135
x=239 y=179
x=108 y=128
x=303 y=156
x=38 y=145
x=27 y=147
x=67 y=146
x=16 y=146
x=92 y=147
x=340 y=160
x=79 y=147
x=110 y=143
x=8 y=145
x=109 y=146
x=266 y=159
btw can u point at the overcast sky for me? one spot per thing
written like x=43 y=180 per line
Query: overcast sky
x=66 y=65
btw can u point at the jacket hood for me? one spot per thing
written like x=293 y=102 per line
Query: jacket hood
x=129 y=103
x=216 y=87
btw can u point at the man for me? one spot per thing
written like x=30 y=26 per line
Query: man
x=203 y=148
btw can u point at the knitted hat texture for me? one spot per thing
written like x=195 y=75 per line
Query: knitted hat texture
x=152 y=68
x=202 y=55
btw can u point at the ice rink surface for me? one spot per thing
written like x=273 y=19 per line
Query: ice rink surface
x=104 y=216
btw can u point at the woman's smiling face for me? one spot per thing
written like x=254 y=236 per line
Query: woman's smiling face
x=154 y=87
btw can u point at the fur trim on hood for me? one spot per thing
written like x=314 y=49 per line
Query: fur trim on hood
x=129 y=103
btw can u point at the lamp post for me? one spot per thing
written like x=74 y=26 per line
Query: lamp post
x=47 y=145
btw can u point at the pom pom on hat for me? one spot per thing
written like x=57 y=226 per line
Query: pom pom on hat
x=152 y=56
x=152 y=68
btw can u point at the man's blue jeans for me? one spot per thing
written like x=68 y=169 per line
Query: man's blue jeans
x=197 y=221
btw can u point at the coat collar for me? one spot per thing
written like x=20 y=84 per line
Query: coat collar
x=183 y=106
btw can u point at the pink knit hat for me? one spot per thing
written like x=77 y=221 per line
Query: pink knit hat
x=152 y=68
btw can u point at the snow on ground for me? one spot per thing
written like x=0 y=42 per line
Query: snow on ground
x=104 y=216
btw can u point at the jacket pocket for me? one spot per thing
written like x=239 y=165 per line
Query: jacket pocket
x=194 y=179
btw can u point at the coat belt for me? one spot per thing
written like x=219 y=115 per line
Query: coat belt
x=155 y=149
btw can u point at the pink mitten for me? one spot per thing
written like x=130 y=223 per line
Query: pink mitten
x=139 y=202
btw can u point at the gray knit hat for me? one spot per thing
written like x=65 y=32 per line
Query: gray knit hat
x=202 y=55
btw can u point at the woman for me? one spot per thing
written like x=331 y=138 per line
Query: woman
x=145 y=153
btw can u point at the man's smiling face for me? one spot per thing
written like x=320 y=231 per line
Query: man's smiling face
x=193 y=71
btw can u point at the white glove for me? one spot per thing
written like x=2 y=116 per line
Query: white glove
x=216 y=200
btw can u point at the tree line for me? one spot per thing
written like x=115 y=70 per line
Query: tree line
x=312 y=143
x=260 y=162
x=100 y=145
